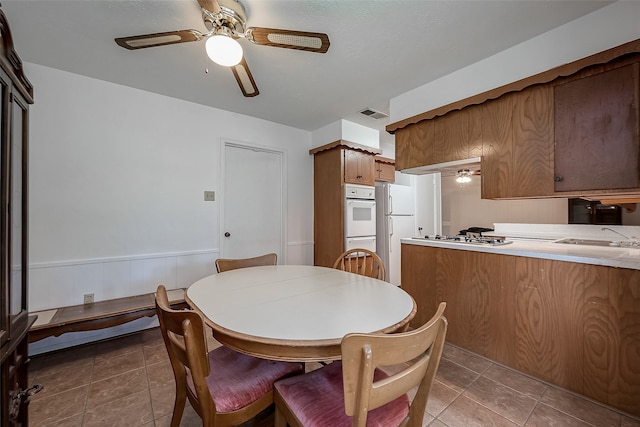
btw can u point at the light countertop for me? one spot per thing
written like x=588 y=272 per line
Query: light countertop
x=535 y=247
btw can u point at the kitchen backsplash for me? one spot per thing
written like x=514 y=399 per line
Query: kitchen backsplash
x=462 y=208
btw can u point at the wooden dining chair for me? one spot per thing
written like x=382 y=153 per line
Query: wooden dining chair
x=223 y=264
x=356 y=392
x=224 y=387
x=361 y=261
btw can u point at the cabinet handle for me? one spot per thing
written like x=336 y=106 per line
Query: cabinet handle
x=558 y=178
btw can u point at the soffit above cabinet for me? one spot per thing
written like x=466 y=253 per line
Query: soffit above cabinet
x=544 y=77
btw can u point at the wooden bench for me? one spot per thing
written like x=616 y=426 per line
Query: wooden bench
x=98 y=315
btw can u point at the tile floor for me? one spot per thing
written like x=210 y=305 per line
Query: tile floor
x=128 y=382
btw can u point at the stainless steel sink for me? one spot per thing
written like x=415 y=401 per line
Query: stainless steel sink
x=587 y=242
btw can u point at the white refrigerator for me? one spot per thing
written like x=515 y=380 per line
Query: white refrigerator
x=395 y=220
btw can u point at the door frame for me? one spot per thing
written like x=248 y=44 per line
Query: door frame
x=228 y=142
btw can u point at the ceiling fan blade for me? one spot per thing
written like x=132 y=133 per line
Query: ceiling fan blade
x=245 y=79
x=289 y=39
x=158 y=39
x=210 y=5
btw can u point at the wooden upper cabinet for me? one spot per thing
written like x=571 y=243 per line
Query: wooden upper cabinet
x=596 y=131
x=415 y=145
x=359 y=168
x=517 y=137
x=532 y=124
x=385 y=169
x=457 y=135
x=497 y=147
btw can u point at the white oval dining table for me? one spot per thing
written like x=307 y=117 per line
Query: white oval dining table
x=296 y=312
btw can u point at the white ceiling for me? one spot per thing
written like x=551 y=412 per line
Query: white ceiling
x=379 y=49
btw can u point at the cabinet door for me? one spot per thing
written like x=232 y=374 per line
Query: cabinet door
x=385 y=172
x=596 y=131
x=415 y=145
x=359 y=168
x=451 y=137
x=531 y=166
x=497 y=146
x=4 y=289
x=18 y=213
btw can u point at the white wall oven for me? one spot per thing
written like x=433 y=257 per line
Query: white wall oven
x=360 y=217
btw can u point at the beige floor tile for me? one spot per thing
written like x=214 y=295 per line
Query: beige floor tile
x=155 y=352
x=465 y=358
x=64 y=362
x=580 y=408
x=630 y=422
x=455 y=376
x=131 y=411
x=440 y=397
x=58 y=382
x=464 y=412
x=108 y=367
x=121 y=346
x=129 y=382
x=546 y=416
x=517 y=381
x=74 y=421
x=502 y=400
x=58 y=406
x=116 y=387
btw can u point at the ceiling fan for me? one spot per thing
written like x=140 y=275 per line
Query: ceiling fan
x=225 y=22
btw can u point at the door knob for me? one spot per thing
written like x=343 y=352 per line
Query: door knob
x=227 y=234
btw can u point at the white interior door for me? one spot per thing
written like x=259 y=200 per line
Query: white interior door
x=252 y=219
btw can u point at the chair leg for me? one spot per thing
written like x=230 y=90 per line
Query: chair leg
x=178 y=407
x=279 y=420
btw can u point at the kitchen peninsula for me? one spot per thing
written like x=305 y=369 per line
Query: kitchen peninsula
x=565 y=313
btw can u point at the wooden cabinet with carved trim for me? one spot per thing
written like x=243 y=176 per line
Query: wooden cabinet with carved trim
x=334 y=165
x=17 y=94
x=573 y=131
x=385 y=169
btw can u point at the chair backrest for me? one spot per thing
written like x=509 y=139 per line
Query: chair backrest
x=418 y=351
x=184 y=336
x=361 y=261
x=223 y=264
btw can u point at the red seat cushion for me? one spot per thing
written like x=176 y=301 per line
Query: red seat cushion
x=236 y=380
x=317 y=399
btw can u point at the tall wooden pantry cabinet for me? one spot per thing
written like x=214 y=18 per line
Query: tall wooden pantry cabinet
x=16 y=93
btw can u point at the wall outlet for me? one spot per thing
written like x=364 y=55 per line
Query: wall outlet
x=88 y=298
x=209 y=196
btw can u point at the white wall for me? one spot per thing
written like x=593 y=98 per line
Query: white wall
x=600 y=30
x=462 y=208
x=116 y=190
x=603 y=29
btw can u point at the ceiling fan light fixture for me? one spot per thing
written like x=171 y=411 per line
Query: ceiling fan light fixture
x=224 y=50
x=463 y=176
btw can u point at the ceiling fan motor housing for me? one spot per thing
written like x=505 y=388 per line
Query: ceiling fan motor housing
x=230 y=21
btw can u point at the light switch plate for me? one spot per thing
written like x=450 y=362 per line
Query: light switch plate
x=209 y=196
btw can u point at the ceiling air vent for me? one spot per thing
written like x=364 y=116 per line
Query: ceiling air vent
x=373 y=114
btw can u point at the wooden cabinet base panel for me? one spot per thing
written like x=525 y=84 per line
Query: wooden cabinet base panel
x=576 y=326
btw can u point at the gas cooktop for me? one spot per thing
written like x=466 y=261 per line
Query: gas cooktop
x=471 y=240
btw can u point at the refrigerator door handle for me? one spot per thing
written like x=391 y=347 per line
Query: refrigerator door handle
x=390 y=232
x=390 y=204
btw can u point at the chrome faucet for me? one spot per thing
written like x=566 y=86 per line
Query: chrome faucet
x=630 y=238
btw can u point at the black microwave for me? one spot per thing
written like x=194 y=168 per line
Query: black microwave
x=593 y=212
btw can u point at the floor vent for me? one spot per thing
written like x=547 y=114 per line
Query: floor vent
x=373 y=114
